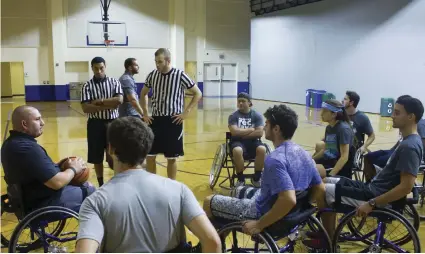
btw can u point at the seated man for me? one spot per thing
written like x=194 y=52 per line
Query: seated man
x=287 y=169
x=246 y=127
x=377 y=160
x=28 y=165
x=360 y=122
x=137 y=211
x=391 y=184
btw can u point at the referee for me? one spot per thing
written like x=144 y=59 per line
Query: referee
x=100 y=99
x=168 y=86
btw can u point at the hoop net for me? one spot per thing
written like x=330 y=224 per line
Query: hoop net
x=109 y=44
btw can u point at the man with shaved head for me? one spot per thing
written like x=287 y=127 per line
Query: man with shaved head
x=27 y=164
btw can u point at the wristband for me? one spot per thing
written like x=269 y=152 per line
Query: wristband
x=73 y=169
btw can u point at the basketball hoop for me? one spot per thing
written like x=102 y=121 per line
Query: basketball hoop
x=109 y=44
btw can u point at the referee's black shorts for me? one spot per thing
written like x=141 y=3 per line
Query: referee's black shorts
x=96 y=139
x=168 y=137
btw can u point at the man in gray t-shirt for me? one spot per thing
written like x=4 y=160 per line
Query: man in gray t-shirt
x=359 y=121
x=394 y=182
x=246 y=126
x=130 y=105
x=137 y=211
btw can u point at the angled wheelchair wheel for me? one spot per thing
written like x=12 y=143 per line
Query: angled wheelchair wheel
x=359 y=226
x=49 y=229
x=233 y=239
x=383 y=224
x=217 y=165
x=8 y=221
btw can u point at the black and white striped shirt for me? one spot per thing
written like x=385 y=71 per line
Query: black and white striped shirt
x=168 y=91
x=96 y=89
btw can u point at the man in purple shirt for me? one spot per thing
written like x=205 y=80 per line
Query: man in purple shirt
x=287 y=170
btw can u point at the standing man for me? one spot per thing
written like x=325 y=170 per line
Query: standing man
x=130 y=106
x=168 y=85
x=359 y=121
x=100 y=98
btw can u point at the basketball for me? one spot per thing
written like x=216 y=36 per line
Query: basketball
x=80 y=178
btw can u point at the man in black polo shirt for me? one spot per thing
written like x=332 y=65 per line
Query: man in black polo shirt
x=27 y=164
x=100 y=98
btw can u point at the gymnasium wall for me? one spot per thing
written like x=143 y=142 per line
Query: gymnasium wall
x=24 y=37
x=49 y=36
x=373 y=47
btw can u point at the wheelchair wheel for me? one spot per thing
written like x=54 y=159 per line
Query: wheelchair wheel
x=358 y=226
x=219 y=158
x=8 y=221
x=36 y=227
x=385 y=222
x=232 y=236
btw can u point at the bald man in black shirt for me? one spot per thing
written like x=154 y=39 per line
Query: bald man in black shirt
x=28 y=165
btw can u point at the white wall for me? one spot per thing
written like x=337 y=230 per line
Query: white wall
x=215 y=27
x=24 y=37
x=48 y=33
x=372 y=47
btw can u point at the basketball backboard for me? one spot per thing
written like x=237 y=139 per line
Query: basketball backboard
x=100 y=31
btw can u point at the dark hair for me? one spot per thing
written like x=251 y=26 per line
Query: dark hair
x=285 y=117
x=97 y=60
x=131 y=138
x=354 y=97
x=128 y=62
x=341 y=116
x=412 y=106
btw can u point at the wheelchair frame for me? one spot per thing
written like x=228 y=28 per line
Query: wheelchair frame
x=284 y=228
x=224 y=159
x=382 y=215
x=36 y=220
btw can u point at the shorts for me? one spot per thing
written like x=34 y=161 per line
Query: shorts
x=239 y=206
x=379 y=158
x=347 y=192
x=168 y=138
x=97 y=140
x=249 y=147
x=346 y=171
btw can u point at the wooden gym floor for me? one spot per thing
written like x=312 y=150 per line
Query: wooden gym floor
x=65 y=135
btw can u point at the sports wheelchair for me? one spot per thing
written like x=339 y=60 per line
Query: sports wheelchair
x=383 y=223
x=223 y=159
x=412 y=203
x=286 y=235
x=421 y=190
x=42 y=227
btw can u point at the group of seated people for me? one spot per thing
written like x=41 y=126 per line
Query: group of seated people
x=141 y=212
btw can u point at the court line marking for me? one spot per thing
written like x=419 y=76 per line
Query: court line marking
x=69 y=106
x=183 y=171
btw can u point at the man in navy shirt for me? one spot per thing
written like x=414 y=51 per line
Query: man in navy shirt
x=391 y=184
x=28 y=165
x=287 y=170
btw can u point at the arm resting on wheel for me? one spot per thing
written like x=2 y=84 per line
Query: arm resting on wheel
x=284 y=203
